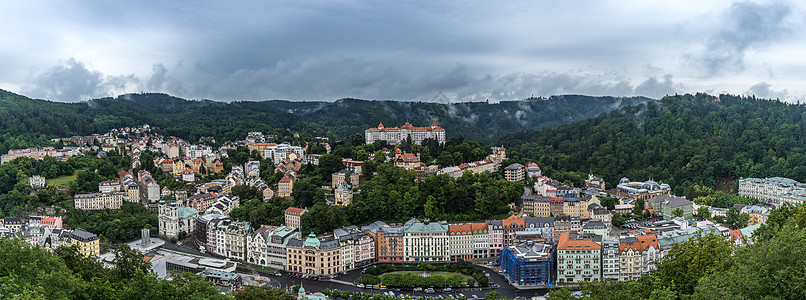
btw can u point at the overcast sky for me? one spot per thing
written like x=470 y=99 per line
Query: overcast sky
x=409 y=50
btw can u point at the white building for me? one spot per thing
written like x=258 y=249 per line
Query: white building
x=175 y=219
x=278 y=153
x=425 y=241
x=395 y=135
x=773 y=190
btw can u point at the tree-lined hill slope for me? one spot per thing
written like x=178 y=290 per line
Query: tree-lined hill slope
x=681 y=140
x=478 y=121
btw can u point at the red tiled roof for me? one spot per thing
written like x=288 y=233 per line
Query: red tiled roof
x=566 y=244
x=294 y=210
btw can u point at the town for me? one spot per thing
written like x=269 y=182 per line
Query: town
x=554 y=233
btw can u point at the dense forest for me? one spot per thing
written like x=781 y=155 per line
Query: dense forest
x=26 y=122
x=682 y=140
x=348 y=116
x=713 y=268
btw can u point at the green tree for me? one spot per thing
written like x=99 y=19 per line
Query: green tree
x=638 y=208
x=264 y=292
x=609 y=202
x=736 y=219
x=703 y=212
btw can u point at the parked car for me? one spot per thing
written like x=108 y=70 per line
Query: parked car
x=419 y=289
x=361 y=285
x=447 y=289
x=429 y=291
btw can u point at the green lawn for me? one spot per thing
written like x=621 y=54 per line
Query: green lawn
x=62 y=180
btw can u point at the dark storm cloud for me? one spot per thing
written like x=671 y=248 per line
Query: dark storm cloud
x=764 y=90
x=746 y=26
x=412 y=50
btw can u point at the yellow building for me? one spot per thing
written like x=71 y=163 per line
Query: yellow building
x=216 y=166
x=178 y=167
x=86 y=242
x=285 y=187
x=313 y=257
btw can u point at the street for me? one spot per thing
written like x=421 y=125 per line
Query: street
x=348 y=283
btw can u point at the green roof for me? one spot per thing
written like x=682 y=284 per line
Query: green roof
x=312 y=241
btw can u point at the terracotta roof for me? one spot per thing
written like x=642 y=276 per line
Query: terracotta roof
x=294 y=210
x=565 y=243
x=187 y=171
x=467 y=229
x=285 y=180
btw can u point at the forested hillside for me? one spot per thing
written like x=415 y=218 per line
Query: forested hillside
x=26 y=122
x=680 y=140
x=477 y=121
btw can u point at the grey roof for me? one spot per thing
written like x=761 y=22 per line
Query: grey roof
x=539 y=221
x=662 y=198
x=374 y=226
x=532 y=250
x=514 y=167
x=594 y=224
x=393 y=229
x=84 y=235
x=329 y=245
x=295 y=243
x=536 y=198
x=629 y=239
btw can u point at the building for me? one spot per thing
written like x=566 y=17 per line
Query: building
x=542 y=225
x=514 y=172
x=37 y=182
x=389 y=244
x=537 y=206
x=758 y=214
x=395 y=135
x=293 y=216
x=216 y=166
x=201 y=202
x=511 y=225
x=666 y=205
x=579 y=257
x=532 y=170
x=770 y=190
x=528 y=263
x=285 y=187
x=357 y=247
x=341 y=177
x=577 y=207
x=465 y=241
x=235 y=236
x=495 y=229
x=425 y=241
x=407 y=161
x=610 y=259
x=87 y=243
x=277 y=244
x=109 y=186
x=284 y=151
x=188 y=175
x=638 y=251
x=641 y=190
x=594 y=183
x=343 y=194
x=564 y=224
x=595 y=227
x=176 y=220
x=313 y=256
x=99 y=201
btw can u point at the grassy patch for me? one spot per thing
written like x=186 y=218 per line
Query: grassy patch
x=62 y=180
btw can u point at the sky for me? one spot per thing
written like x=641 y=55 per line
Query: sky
x=402 y=50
